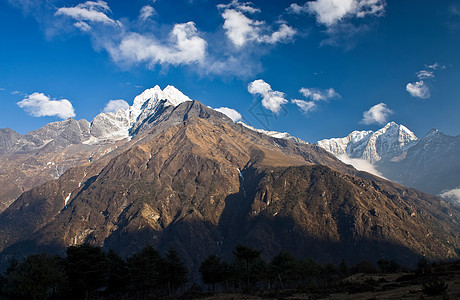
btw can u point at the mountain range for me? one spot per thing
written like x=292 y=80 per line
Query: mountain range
x=430 y=164
x=172 y=172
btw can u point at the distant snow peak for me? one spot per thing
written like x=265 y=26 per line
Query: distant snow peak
x=274 y=134
x=384 y=144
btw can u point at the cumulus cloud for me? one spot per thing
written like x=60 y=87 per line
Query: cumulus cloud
x=330 y=12
x=231 y=113
x=319 y=95
x=305 y=106
x=114 y=105
x=89 y=11
x=271 y=100
x=451 y=195
x=146 y=12
x=377 y=114
x=185 y=47
x=314 y=95
x=360 y=164
x=40 y=105
x=240 y=29
x=418 y=89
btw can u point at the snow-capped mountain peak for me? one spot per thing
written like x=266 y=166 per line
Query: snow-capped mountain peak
x=384 y=144
x=110 y=126
x=174 y=96
x=150 y=99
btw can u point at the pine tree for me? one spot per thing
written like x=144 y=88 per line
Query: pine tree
x=174 y=273
x=87 y=268
x=213 y=271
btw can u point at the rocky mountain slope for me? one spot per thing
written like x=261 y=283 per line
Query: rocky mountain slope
x=430 y=164
x=45 y=154
x=192 y=179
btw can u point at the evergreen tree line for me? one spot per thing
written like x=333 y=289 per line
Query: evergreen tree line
x=88 y=272
x=249 y=271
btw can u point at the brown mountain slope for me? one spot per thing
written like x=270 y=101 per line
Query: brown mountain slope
x=202 y=184
x=32 y=160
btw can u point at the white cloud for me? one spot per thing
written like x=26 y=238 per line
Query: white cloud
x=114 y=105
x=40 y=105
x=319 y=95
x=305 y=106
x=2 y=89
x=377 y=114
x=244 y=7
x=452 y=195
x=240 y=29
x=314 y=95
x=360 y=164
x=284 y=33
x=185 y=47
x=418 y=89
x=297 y=9
x=231 y=113
x=90 y=11
x=435 y=66
x=271 y=100
x=82 y=26
x=146 y=12
x=424 y=74
x=330 y=12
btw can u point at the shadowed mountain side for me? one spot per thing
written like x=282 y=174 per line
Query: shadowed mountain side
x=432 y=165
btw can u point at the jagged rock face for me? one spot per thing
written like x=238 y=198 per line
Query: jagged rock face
x=201 y=184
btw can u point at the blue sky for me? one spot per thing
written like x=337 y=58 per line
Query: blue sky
x=316 y=69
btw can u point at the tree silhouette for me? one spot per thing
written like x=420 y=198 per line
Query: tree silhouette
x=388 y=266
x=35 y=277
x=144 y=269
x=213 y=271
x=283 y=266
x=251 y=259
x=174 y=272
x=87 y=268
x=343 y=268
x=118 y=279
